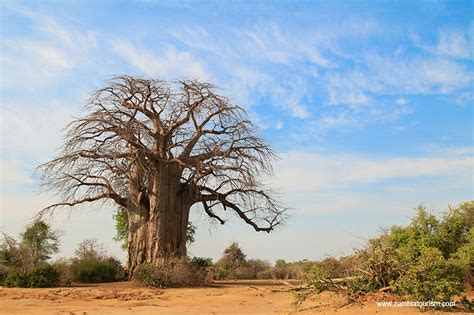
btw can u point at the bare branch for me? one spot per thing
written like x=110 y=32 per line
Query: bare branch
x=136 y=135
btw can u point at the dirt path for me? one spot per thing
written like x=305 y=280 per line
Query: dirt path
x=243 y=297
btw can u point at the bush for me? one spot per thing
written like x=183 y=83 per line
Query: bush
x=235 y=265
x=38 y=277
x=174 y=273
x=223 y=274
x=4 y=271
x=96 y=270
x=43 y=277
x=231 y=264
x=201 y=263
x=151 y=276
x=66 y=276
x=16 y=278
x=284 y=270
x=266 y=274
x=432 y=278
x=93 y=265
x=430 y=259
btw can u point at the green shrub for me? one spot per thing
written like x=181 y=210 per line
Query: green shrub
x=16 y=278
x=201 y=263
x=38 y=277
x=4 y=271
x=43 y=277
x=432 y=278
x=38 y=241
x=223 y=274
x=430 y=259
x=96 y=270
x=173 y=273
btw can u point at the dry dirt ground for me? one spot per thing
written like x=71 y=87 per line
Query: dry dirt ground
x=224 y=297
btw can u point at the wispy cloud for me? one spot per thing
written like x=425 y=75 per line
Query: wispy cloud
x=451 y=43
x=41 y=61
x=288 y=68
x=305 y=171
x=394 y=75
x=454 y=44
x=171 y=64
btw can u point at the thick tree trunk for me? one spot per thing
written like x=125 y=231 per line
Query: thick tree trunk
x=157 y=229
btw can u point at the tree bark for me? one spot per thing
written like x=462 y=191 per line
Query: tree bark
x=158 y=222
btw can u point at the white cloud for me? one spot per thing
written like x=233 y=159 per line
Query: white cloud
x=305 y=171
x=198 y=38
x=33 y=63
x=290 y=95
x=274 y=45
x=454 y=44
x=445 y=74
x=171 y=64
x=50 y=57
x=241 y=86
x=41 y=62
x=389 y=75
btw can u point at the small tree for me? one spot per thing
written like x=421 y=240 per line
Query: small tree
x=232 y=259
x=93 y=264
x=90 y=249
x=40 y=241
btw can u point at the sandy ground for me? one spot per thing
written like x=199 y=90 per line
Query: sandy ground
x=225 y=297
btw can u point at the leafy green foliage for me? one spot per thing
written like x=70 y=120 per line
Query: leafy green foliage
x=38 y=242
x=280 y=263
x=121 y=227
x=201 y=263
x=231 y=261
x=41 y=241
x=24 y=263
x=93 y=270
x=289 y=270
x=313 y=278
x=11 y=254
x=432 y=277
x=235 y=265
x=38 y=277
x=4 y=271
x=430 y=259
x=190 y=233
x=16 y=278
x=91 y=264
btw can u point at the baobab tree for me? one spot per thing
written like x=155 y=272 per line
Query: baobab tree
x=157 y=148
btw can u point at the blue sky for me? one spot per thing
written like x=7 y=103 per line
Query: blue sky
x=368 y=103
